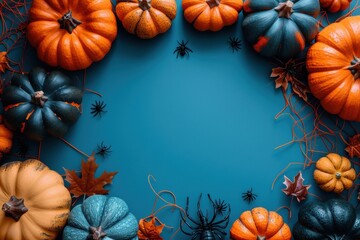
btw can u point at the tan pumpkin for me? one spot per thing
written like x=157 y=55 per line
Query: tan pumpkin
x=334 y=173
x=146 y=18
x=35 y=203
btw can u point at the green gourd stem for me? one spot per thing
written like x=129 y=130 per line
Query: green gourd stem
x=285 y=9
x=355 y=68
x=68 y=22
x=213 y=3
x=260 y=238
x=145 y=4
x=14 y=208
x=39 y=98
x=338 y=175
x=96 y=233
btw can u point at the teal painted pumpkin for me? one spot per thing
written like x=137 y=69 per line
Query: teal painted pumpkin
x=101 y=217
x=333 y=219
x=41 y=103
x=280 y=28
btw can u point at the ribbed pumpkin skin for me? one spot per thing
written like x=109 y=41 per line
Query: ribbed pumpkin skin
x=211 y=15
x=45 y=196
x=334 y=6
x=274 y=36
x=111 y=214
x=333 y=173
x=6 y=141
x=259 y=223
x=22 y=113
x=333 y=219
x=146 y=18
x=89 y=42
x=328 y=61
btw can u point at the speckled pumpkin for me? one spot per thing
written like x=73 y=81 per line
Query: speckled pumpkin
x=34 y=202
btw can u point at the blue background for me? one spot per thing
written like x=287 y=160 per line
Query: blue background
x=199 y=124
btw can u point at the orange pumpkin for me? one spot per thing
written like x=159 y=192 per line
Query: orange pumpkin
x=260 y=224
x=35 y=203
x=334 y=173
x=146 y=18
x=211 y=15
x=335 y=5
x=333 y=63
x=71 y=34
x=6 y=137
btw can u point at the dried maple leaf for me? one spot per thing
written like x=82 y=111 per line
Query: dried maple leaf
x=296 y=188
x=87 y=184
x=353 y=148
x=4 y=62
x=150 y=228
x=300 y=89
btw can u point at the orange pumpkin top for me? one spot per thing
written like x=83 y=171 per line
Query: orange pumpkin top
x=335 y=5
x=211 y=15
x=71 y=34
x=333 y=63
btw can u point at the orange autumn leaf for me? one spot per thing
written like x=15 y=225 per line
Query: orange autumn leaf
x=4 y=63
x=87 y=184
x=150 y=229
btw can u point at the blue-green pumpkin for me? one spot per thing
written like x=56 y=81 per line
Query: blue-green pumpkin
x=41 y=103
x=101 y=218
x=280 y=28
x=335 y=219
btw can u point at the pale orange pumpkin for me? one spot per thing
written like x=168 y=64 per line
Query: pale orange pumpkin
x=333 y=63
x=71 y=34
x=335 y=5
x=35 y=203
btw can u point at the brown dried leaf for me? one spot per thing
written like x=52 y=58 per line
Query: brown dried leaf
x=296 y=188
x=300 y=89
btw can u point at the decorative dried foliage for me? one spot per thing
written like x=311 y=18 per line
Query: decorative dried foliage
x=150 y=228
x=88 y=184
x=296 y=188
x=353 y=148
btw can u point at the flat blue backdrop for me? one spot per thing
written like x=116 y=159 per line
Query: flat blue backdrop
x=199 y=124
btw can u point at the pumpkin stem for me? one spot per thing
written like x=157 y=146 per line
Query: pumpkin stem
x=14 y=208
x=213 y=3
x=39 y=98
x=338 y=175
x=355 y=68
x=96 y=233
x=285 y=9
x=145 y=4
x=260 y=238
x=68 y=23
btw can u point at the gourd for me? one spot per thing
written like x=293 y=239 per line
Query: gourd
x=71 y=34
x=280 y=28
x=333 y=219
x=41 y=103
x=334 y=6
x=34 y=202
x=334 y=173
x=101 y=217
x=333 y=63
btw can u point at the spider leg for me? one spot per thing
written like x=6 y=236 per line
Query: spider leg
x=221 y=230
x=188 y=49
x=187 y=213
x=181 y=228
x=225 y=220
x=200 y=213
x=217 y=234
x=214 y=209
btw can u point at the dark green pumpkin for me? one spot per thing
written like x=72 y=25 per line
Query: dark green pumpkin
x=335 y=219
x=280 y=28
x=41 y=103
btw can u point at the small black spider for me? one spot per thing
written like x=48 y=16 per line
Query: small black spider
x=235 y=43
x=249 y=196
x=103 y=150
x=220 y=206
x=97 y=108
x=182 y=49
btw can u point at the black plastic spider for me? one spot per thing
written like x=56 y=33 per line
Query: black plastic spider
x=205 y=229
x=249 y=196
x=182 y=49
x=98 y=108
x=103 y=150
x=235 y=43
x=220 y=206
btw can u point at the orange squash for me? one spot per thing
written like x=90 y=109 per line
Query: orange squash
x=146 y=18
x=35 y=203
x=260 y=224
x=6 y=137
x=334 y=6
x=334 y=173
x=211 y=15
x=333 y=63
x=71 y=34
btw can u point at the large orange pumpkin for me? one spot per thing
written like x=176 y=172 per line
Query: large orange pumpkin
x=260 y=224
x=146 y=18
x=333 y=63
x=335 y=5
x=334 y=173
x=71 y=34
x=35 y=204
x=211 y=15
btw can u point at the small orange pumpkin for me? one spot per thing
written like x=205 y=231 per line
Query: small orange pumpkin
x=71 y=34
x=333 y=63
x=334 y=173
x=6 y=137
x=258 y=224
x=334 y=6
x=146 y=18
x=211 y=15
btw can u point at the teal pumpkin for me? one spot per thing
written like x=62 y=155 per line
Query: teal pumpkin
x=101 y=217
x=280 y=28
x=333 y=219
x=41 y=103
